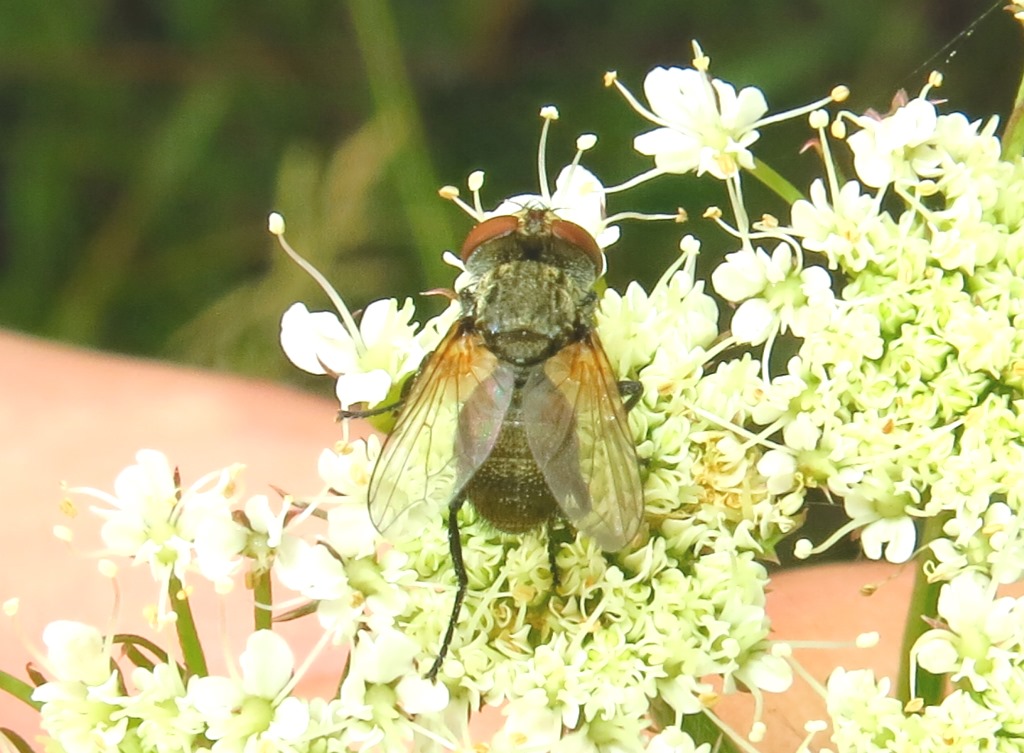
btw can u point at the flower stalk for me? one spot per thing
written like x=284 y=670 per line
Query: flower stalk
x=915 y=682
x=185 y=627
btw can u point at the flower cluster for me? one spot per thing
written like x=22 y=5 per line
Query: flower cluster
x=901 y=291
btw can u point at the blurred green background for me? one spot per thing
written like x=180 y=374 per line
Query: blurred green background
x=145 y=142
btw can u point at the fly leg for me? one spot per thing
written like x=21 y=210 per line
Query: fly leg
x=347 y=414
x=455 y=547
x=631 y=392
x=553 y=544
x=390 y=407
x=380 y=409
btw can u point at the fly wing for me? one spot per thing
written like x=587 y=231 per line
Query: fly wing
x=446 y=429
x=579 y=435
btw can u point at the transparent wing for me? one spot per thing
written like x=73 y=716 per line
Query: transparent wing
x=445 y=431
x=579 y=435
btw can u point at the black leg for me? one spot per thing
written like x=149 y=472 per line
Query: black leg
x=390 y=407
x=455 y=547
x=631 y=392
x=553 y=557
x=343 y=414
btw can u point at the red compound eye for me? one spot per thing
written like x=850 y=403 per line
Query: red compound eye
x=489 y=230
x=576 y=236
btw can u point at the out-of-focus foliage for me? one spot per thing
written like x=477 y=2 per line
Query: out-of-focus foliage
x=144 y=142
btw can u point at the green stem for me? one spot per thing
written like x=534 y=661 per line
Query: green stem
x=263 y=597
x=775 y=182
x=188 y=638
x=19 y=743
x=704 y=730
x=399 y=113
x=19 y=689
x=923 y=604
x=1013 y=135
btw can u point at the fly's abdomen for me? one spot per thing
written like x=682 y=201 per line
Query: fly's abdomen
x=508 y=490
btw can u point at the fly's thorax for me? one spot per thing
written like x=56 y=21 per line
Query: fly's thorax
x=527 y=310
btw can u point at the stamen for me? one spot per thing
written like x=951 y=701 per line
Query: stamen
x=802 y=672
x=867 y=640
x=818 y=121
x=548 y=113
x=303 y=668
x=108 y=569
x=10 y=608
x=758 y=728
x=934 y=82
x=475 y=183
x=451 y=193
x=732 y=734
x=866 y=461
x=636 y=180
x=701 y=62
x=442 y=741
x=680 y=216
x=583 y=143
x=611 y=79
x=734 y=188
x=800 y=550
x=804 y=109
x=812 y=728
x=275 y=224
x=726 y=424
x=761 y=438
x=68 y=508
x=689 y=248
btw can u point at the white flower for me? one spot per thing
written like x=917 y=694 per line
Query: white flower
x=846 y=232
x=981 y=632
x=864 y=716
x=346 y=469
x=789 y=297
x=417 y=695
x=385 y=657
x=368 y=363
x=705 y=125
x=152 y=521
x=221 y=544
x=673 y=740
x=983 y=338
x=367 y=694
x=779 y=468
x=249 y=711
x=530 y=722
x=76 y=652
x=310 y=570
x=896 y=148
x=743 y=274
x=165 y=723
x=875 y=505
x=80 y=718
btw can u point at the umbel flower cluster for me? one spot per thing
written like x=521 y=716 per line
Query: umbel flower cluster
x=902 y=288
